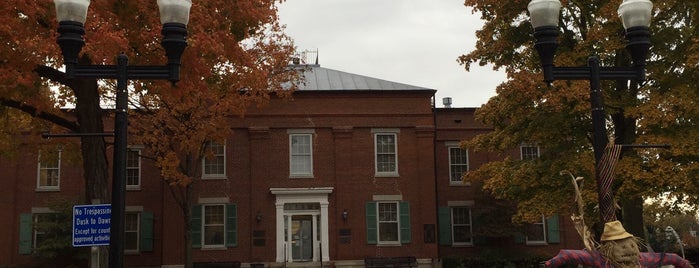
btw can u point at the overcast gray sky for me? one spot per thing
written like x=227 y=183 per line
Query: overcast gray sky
x=413 y=42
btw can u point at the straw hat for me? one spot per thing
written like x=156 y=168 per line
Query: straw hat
x=614 y=231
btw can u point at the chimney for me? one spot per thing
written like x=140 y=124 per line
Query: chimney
x=447 y=102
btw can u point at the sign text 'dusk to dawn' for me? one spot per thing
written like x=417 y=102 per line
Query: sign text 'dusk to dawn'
x=91 y=225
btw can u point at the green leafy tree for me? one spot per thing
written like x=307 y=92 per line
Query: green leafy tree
x=557 y=118
x=55 y=234
x=658 y=215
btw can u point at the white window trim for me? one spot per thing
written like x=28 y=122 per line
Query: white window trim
x=140 y=169
x=36 y=211
x=138 y=210
x=545 y=233
x=376 y=133
x=40 y=187
x=225 y=164
x=397 y=222
x=203 y=227
x=138 y=233
x=35 y=232
x=449 y=146
x=538 y=150
x=213 y=200
x=470 y=226
x=291 y=156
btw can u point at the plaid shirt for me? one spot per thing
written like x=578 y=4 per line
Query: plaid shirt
x=594 y=259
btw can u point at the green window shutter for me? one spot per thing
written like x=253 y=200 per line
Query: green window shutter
x=231 y=225
x=196 y=226
x=371 y=224
x=25 y=233
x=444 y=226
x=404 y=222
x=553 y=232
x=146 y=237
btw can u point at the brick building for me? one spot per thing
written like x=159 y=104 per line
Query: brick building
x=351 y=167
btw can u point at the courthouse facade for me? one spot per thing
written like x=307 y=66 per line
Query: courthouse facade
x=350 y=167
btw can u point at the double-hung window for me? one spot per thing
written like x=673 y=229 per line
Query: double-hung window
x=388 y=222
x=458 y=164
x=49 y=170
x=133 y=169
x=462 y=232
x=529 y=152
x=536 y=232
x=542 y=232
x=456 y=224
x=214 y=225
x=132 y=228
x=300 y=155
x=214 y=163
x=138 y=231
x=386 y=150
x=42 y=225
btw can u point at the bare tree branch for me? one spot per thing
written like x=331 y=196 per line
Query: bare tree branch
x=34 y=112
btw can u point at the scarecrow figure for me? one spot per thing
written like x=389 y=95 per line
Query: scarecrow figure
x=618 y=248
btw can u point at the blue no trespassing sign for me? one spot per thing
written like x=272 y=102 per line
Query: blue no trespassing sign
x=91 y=225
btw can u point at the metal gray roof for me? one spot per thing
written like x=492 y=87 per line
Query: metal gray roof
x=319 y=78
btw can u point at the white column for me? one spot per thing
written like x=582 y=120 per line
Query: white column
x=280 y=231
x=324 y=241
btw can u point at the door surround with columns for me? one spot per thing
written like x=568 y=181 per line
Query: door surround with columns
x=317 y=195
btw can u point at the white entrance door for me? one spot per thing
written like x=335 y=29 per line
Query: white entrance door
x=302 y=224
x=301 y=237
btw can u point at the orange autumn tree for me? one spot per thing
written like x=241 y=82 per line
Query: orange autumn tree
x=246 y=68
x=557 y=118
x=176 y=128
x=237 y=56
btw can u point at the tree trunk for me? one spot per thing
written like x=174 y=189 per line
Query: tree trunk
x=186 y=206
x=88 y=114
x=187 y=237
x=94 y=152
x=93 y=148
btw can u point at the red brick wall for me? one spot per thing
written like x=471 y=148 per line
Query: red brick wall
x=257 y=154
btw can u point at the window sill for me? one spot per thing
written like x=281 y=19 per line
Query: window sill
x=133 y=188
x=214 y=248
x=48 y=189
x=386 y=175
x=389 y=244
x=131 y=252
x=214 y=178
x=536 y=243
x=459 y=184
x=301 y=176
x=462 y=245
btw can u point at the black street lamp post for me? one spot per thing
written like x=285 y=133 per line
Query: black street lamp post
x=174 y=15
x=635 y=15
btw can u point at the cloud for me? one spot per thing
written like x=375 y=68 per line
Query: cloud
x=413 y=42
